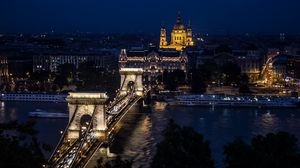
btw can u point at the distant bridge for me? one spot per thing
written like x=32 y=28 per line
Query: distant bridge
x=267 y=69
x=82 y=138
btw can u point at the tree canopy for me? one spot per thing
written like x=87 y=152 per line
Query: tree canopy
x=182 y=148
x=270 y=151
x=20 y=147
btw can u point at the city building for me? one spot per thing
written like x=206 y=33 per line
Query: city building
x=153 y=61
x=3 y=68
x=285 y=66
x=180 y=37
x=50 y=61
x=249 y=60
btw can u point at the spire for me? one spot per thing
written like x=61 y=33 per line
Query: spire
x=162 y=26
x=123 y=53
x=189 y=25
x=179 y=18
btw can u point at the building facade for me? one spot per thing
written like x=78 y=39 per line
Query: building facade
x=3 y=69
x=153 y=61
x=52 y=60
x=249 y=60
x=181 y=37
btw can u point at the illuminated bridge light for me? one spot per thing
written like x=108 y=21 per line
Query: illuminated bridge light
x=90 y=140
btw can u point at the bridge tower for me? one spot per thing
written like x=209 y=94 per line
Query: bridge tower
x=131 y=77
x=91 y=104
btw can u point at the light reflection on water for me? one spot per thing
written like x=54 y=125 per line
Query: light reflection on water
x=143 y=130
x=48 y=128
x=218 y=125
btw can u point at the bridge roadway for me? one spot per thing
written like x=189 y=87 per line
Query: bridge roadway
x=267 y=66
x=78 y=152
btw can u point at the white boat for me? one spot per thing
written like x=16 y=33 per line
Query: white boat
x=41 y=114
x=233 y=101
x=33 y=97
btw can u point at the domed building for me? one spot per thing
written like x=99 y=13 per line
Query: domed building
x=181 y=37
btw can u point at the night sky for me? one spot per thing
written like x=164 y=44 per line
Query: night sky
x=209 y=16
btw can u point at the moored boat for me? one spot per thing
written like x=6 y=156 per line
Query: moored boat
x=41 y=114
x=234 y=101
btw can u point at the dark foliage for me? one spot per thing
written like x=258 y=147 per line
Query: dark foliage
x=244 y=84
x=118 y=162
x=270 y=151
x=99 y=79
x=171 y=80
x=19 y=146
x=231 y=73
x=182 y=148
x=198 y=80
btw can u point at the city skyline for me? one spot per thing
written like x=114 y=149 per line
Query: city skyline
x=216 y=17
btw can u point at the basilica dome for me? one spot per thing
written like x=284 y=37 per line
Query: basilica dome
x=179 y=25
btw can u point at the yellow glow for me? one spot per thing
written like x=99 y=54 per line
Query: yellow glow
x=180 y=39
x=88 y=95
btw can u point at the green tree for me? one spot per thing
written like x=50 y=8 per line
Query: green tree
x=271 y=151
x=182 y=147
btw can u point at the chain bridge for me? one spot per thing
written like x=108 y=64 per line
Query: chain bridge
x=92 y=121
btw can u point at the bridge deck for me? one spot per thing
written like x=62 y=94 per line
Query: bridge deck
x=78 y=153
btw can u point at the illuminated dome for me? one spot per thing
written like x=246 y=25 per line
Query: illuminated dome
x=180 y=37
x=178 y=25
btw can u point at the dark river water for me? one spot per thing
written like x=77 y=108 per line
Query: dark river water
x=141 y=131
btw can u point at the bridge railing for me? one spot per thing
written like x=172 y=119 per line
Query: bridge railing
x=89 y=154
x=62 y=139
x=131 y=102
x=123 y=104
x=84 y=140
x=126 y=103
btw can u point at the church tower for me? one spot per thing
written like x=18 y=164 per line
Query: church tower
x=189 y=36
x=123 y=58
x=180 y=36
x=163 y=37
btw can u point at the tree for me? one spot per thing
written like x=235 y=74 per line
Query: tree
x=198 y=81
x=231 y=73
x=179 y=76
x=182 y=147
x=244 y=84
x=93 y=78
x=170 y=81
x=60 y=80
x=41 y=76
x=19 y=146
x=67 y=69
x=273 y=150
x=117 y=162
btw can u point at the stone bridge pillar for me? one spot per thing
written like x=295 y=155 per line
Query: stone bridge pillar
x=131 y=75
x=81 y=104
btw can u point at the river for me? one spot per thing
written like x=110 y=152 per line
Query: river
x=142 y=131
